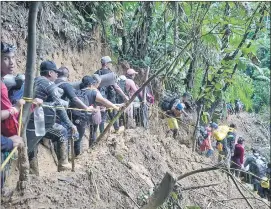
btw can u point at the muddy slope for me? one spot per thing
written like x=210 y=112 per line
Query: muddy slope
x=121 y=171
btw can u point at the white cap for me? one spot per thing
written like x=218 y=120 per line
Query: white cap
x=106 y=59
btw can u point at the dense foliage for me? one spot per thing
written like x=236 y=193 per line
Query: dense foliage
x=215 y=50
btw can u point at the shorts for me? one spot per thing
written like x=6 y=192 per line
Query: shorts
x=172 y=123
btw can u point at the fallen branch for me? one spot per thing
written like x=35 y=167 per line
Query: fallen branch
x=234 y=181
x=199 y=187
x=216 y=167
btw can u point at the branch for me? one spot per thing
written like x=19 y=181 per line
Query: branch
x=234 y=181
x=216 y=167
x=231 y=57
x=200 y=186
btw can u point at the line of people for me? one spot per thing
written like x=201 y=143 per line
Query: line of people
x=231 y=151
x=52 y=89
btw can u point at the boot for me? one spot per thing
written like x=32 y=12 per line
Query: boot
x=34 y=166
x=63 y=163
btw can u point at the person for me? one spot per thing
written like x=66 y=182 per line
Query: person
x=9 y=124
x=184 y=99
x=172 y=114
x=45 y=89
x=7 y=145
x=237 y=107
x=238 y=157
x=90 y=86
x=109 y=93
x=257 y=167
x=69 y=96
x=206 y=145
x=131 y=88
x=231 y=138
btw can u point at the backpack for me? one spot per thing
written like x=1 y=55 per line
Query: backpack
x=168 y=100
x=110 y=93
x=77 y=114
x=107 y=92
x=122 y=85
x=261 y=166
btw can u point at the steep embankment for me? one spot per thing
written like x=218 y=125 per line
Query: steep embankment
x=59 y=38
x=130 y=164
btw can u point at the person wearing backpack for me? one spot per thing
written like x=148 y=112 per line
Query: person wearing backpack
x=172 y=114
x=90 y=94
x=257 y=166
x=109 y=92
x=45 y=89
x=70 y=96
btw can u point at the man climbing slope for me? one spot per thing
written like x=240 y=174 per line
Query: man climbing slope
x=109 y=92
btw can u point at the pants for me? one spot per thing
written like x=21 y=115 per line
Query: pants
x=93 y=134
x=81 y=128
x=101 y=125
x=57 y=134
x=112 y=114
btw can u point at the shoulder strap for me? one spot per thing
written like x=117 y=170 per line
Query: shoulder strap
x=58 y=84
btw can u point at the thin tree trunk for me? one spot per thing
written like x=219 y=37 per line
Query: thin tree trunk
x=196 y=128
x=28 y=90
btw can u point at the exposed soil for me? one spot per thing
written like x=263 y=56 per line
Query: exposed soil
x=133 y=161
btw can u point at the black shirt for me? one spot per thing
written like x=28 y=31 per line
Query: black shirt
x=69 y=91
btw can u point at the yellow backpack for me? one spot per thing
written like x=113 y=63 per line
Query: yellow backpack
x=265 y=183
x=221 y=133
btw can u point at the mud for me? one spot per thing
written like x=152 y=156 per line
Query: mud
x=130 y=164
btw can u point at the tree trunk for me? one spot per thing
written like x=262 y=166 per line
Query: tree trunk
x=197 y=128
x=28 y=89
x=160 y=195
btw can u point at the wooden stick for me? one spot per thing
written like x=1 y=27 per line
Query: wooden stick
x=72 y=152
x=199 y=187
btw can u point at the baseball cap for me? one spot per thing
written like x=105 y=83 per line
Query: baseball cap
x=106 y=59
x=179 y=107
x=131 y=71
x=47 y=66
x=88 y=80
x=214 y=125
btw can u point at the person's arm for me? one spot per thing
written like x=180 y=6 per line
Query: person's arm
x=120 y=92
x=105 y=102
x=6 y=144
x=69 y=91
x=61 y=112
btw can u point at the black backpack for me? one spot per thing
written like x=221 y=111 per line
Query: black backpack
x=77 y=114
x=122 y=85
x=167 y=103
